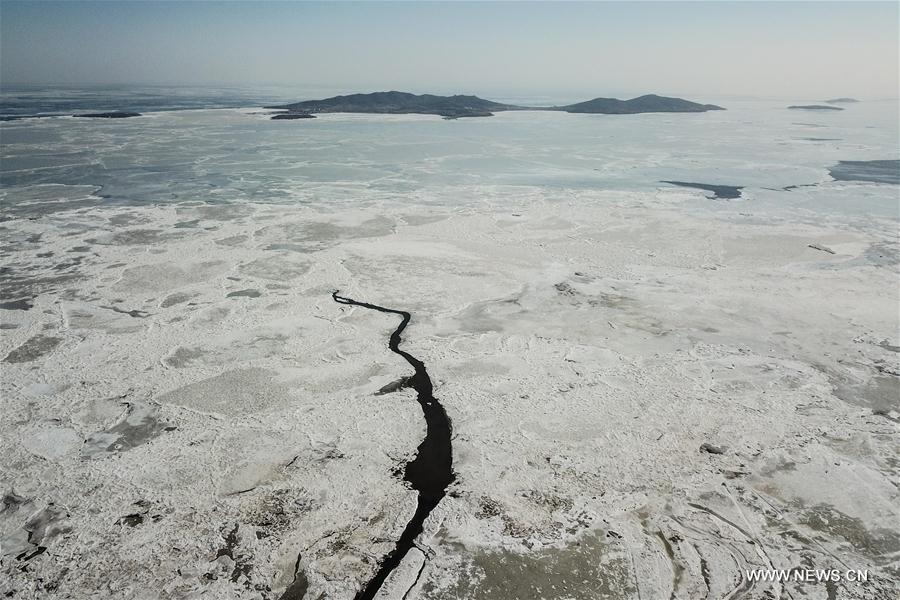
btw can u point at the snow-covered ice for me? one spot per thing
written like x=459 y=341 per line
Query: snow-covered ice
x=188 y=414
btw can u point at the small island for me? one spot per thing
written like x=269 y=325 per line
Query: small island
x=116 y=114
x=814 y=107
x=457 y=106
x=842 y=101
x=290 y=116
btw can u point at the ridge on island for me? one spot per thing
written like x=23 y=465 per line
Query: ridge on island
x=452 y=107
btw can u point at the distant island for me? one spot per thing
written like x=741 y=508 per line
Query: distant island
x=116 y=114
x=290 y=116
x=650 y=103
x=398 y=103
x=841 y=101
x=454 y=107
x=814 y=107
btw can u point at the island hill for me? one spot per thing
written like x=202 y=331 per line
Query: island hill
x=453 y=107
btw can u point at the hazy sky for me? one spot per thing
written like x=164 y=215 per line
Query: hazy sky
x=803 y=50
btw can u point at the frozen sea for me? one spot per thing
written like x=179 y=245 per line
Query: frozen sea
x=236 y=154
x=652 y=390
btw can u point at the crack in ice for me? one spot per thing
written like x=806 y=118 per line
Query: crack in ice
x=431 y=471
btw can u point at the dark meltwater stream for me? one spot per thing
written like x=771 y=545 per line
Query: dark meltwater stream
x=431 y=471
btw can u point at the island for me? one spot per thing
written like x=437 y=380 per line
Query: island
x=457 y=106
x=290 y=116
x=814 y=107
x=841 y=101
x=116 y=114
x=398 y=103
x=651 y=103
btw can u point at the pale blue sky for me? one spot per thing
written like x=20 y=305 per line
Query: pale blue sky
x=778 y=49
